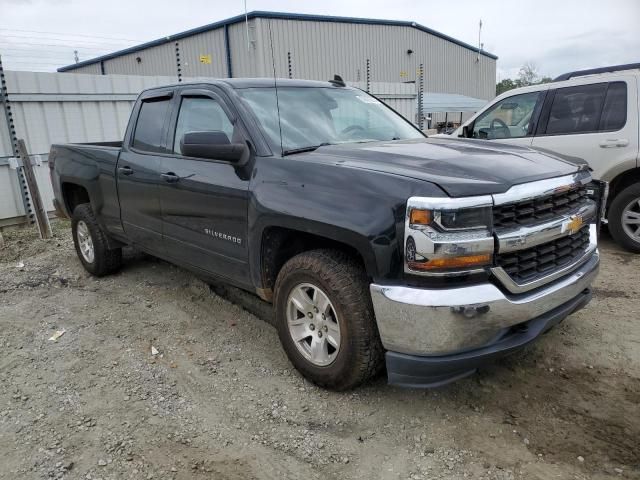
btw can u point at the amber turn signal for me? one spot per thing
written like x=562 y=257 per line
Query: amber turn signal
x=419 y=217
x=453 y=262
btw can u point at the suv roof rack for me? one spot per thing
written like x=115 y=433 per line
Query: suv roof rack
x=593 y=71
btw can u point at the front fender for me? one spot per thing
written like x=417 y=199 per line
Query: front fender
x=362 y=209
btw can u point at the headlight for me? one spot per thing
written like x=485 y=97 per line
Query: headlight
x=446 y=236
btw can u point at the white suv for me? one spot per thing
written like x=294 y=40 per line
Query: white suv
x=590 y=115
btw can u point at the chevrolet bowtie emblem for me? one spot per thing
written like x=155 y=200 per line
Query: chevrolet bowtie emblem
x=573 y=224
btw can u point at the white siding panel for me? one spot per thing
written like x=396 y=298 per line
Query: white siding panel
x=5 y=141
x=10 y=200
x=62 y=108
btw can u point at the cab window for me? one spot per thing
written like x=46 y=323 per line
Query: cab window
x=201 y=114
x=149 y=126
x=509 y=118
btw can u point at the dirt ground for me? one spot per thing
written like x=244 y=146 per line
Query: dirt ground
x=221 y=401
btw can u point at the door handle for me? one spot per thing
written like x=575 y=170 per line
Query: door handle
x=170 y=177
x=614 y=142
x=125 y=170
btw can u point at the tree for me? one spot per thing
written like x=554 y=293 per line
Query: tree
x=504 y=85
x=528 y=75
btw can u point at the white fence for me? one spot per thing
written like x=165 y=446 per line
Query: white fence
x=49 y=108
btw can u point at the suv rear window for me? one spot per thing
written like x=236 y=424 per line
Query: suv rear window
x=149 y=127
x=588 y=108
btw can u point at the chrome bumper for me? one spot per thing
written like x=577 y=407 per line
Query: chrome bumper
x=443 y=321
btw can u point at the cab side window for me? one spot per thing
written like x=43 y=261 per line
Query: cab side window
x=509 y=118
x=150 y=126
x=201 y=114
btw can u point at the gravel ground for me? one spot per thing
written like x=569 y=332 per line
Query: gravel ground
x=219 y=400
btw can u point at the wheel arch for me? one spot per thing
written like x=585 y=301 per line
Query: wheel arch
x=278 y=244
x=622 y=181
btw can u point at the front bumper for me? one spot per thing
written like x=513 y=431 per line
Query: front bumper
x=467 y=325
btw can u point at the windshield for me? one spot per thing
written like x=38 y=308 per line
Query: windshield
x=315 y=116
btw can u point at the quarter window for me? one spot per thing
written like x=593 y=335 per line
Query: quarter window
x=614 y=113
x=201 y=114
x=509 y=118
x=150 y=126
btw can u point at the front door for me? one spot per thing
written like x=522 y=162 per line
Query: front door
x=510 y=120
x=204 y=202
x=593 y=122
x=138 y=172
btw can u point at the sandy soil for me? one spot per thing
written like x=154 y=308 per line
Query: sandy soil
x=221 y=401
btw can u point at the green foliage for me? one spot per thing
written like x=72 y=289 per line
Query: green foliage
x=528 y=75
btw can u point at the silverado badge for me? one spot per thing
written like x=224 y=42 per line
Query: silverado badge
x=573 y=224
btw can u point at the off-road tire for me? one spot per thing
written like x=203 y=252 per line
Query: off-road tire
x=344 y=281
x=616 y=209
x=105 y=261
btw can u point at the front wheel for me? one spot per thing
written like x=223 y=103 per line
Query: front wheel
x=91 y=243
x=325 y=319
x=624 y=218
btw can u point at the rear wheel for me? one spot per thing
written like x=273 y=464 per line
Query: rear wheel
x=624 y=218
x=91 y=243
x=325 y=319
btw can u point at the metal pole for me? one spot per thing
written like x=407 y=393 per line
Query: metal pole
x=246 y=22
x=42 y=218
x=420 y=96
x=24 y=190
x=178 y=63
x=289 y=64
x=368 y=76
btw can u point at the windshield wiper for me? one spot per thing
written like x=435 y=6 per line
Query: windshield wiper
x=310 y=148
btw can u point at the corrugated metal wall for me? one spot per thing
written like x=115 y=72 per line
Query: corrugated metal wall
x=318 y=50
x=321 y=49
x=160 y=60
x=93 y=68
x=209 y=46
x=59 y=108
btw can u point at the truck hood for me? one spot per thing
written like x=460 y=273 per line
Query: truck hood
x=461 y=167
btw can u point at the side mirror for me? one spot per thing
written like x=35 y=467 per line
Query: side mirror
x=465 y=132
x=214 y=145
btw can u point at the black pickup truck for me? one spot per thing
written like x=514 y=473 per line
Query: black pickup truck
x=371 y=241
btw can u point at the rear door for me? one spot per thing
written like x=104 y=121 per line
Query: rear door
x=510 y=120
x=138 y=170
x=596 y=122
x=204 y=202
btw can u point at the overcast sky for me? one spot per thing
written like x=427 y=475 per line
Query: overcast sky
x=556 y=35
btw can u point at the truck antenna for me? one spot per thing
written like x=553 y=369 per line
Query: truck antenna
x=275 y=86
x=337 y=81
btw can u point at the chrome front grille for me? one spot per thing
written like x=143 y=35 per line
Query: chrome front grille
x=539 y=209
x=528 y=265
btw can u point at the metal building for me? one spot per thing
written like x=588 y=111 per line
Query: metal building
x=310 y=47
